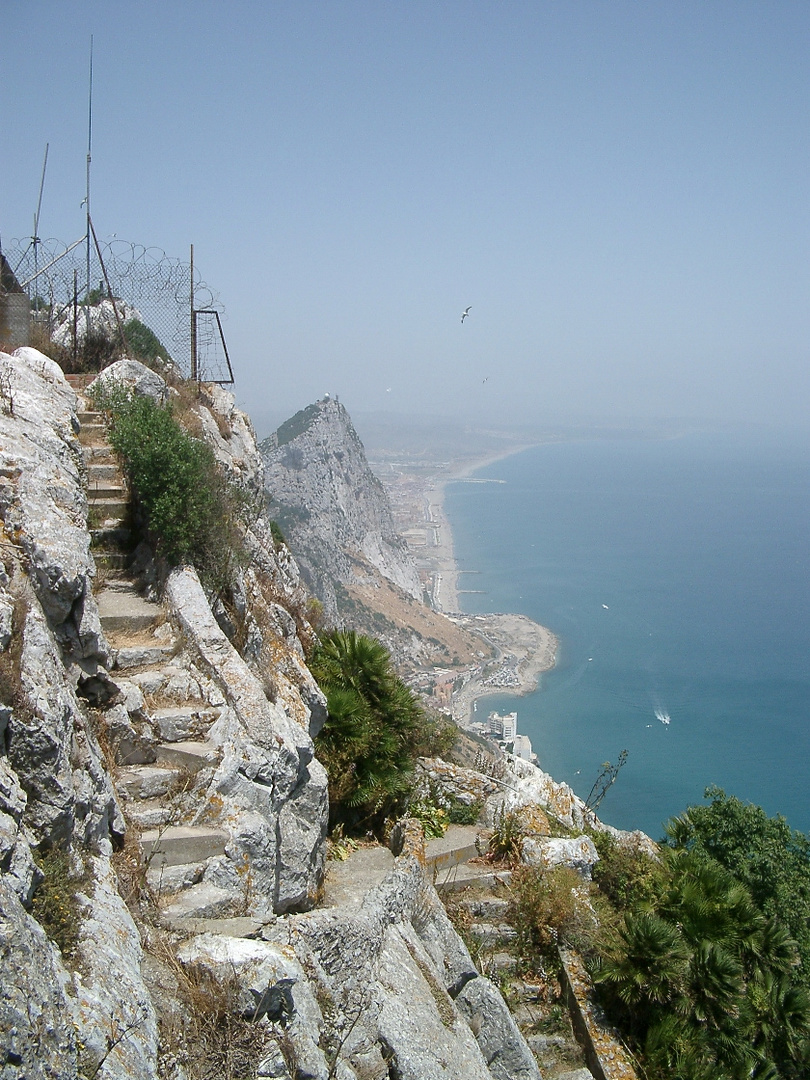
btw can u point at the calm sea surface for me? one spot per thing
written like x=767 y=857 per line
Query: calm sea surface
x=676 y=574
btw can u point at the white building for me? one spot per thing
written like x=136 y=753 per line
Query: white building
x=503 y=726
x=523 y=747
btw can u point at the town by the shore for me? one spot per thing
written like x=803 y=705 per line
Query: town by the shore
x=523 y=649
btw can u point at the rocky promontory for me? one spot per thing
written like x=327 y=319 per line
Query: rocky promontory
x=164 y=901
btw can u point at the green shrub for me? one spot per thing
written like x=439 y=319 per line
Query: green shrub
x=189 y=507
x=626 y=875
x=550 y=909
x=433 y=818
x=507 y=837
x=278 y=536
x=460 y=813
x=143 y=344
x=54 y=904
x=370 y=739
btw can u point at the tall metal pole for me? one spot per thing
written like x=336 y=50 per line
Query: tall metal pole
x=87 y=191
x=193 y=322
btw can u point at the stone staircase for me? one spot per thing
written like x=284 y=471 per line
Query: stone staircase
x=159 y=736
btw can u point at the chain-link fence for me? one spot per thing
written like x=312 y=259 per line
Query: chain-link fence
x=150 y=288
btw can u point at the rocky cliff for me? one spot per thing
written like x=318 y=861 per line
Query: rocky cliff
x=162 y=814
x=337 y=519
x=331 y=506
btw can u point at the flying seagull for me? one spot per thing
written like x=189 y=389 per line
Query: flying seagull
x=466 y=313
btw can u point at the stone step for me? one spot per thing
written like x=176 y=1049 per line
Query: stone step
x=201 y=901
x=182 y=723
x=108 y=508
x=106 y=490
x=90 y=416
x=165 y=880
x=112 y=560
x=181 y=844
x=124 y=612
x=492 y=934
x=113 y=535
x=237 y=926
x=133 y=657
x=101 y=470
x=101 y=453
x=147 y=781
x=93 y=432
x=149 y=813
x=80 y=380
x=459 y=844
x=189 y=755
x=463 y=875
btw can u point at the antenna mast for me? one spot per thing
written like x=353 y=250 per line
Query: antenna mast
x=35 y=238
x=87 y=191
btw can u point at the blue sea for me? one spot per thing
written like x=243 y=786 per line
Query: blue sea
x=676 y=575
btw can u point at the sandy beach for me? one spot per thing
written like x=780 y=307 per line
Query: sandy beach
x=523 y=648
x=440 y=552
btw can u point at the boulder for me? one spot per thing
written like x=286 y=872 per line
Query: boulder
x=39 y=1038
x=142 y=380
x=578 y=852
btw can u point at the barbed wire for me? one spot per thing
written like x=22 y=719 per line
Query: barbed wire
x=156 y=284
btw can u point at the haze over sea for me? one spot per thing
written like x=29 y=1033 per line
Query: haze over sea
x=676 y=574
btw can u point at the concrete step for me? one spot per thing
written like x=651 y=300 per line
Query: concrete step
x=459 y=844
x=124 y=612
x=182 y=723
x=112 y=560
x=114 y=535
x=149 y=813
x=107 y=490
x=180 y=844
x=465 y=875
x=147 y=781
x=108 y=507
x=201 y=901
x=189 y=755
x=134 y=657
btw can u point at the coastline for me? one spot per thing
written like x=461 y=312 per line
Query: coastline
x=523 y=649
x=446 y=591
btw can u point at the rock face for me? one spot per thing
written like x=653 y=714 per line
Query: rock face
x=159 y=784
x=331 y=507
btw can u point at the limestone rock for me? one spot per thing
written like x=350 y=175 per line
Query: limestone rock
x=269 y=791
x=43 y=503
x=103 y=320
x=578 y=852
x=136 y=376
x=331 y=507
x=39 y=1040
x=504 y=1048
x=112 y=1003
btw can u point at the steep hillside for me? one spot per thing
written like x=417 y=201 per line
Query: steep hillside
x=163 y=909
x=336 y=516
x=331 y=506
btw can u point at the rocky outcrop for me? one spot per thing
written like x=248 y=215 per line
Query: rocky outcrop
x=162 y=813
x=331 y=507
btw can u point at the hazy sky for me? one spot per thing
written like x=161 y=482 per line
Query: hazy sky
x=618 y=189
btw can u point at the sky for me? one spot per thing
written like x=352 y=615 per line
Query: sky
x=618 y=191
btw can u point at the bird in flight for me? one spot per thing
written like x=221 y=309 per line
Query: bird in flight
x=466 y=313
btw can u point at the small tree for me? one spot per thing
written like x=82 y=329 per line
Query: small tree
x=372 y=735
